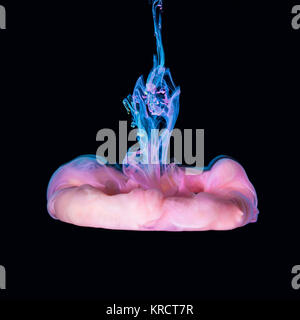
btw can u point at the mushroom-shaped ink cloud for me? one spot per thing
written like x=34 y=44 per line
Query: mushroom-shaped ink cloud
x=148 y=193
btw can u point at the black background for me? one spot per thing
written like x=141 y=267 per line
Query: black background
x=65 y=68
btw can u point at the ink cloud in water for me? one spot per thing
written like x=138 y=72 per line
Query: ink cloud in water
x=149 y=193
